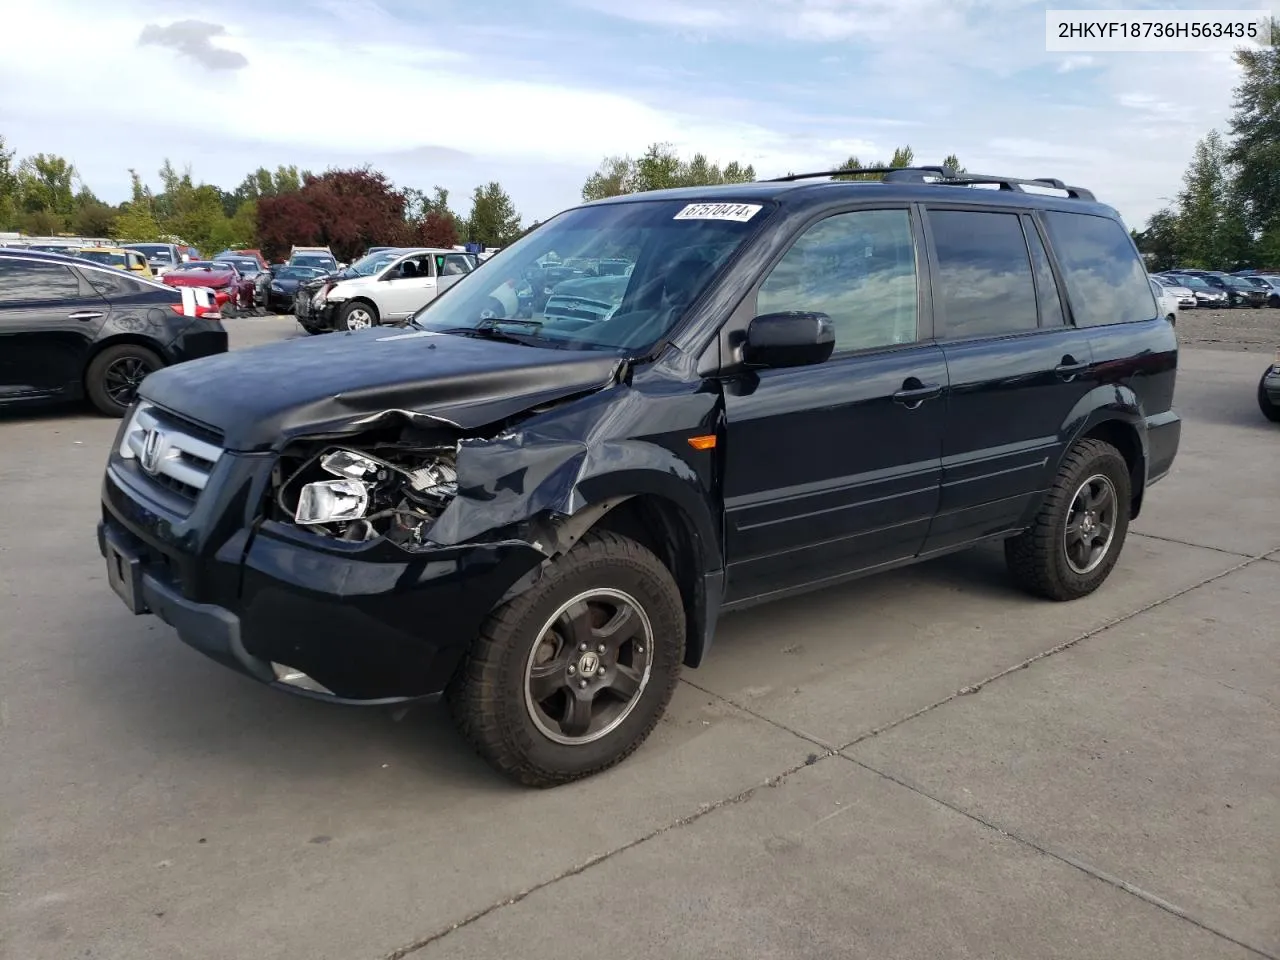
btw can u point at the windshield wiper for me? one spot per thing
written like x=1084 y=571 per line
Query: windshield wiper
x=493 y=333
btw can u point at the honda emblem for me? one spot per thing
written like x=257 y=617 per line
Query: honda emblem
x=154 y=445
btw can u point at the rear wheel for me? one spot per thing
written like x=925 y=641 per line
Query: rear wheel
x=1074 y=541
x=1269 y=410
x=113 y=377
x=358 y=315
x=570 y=677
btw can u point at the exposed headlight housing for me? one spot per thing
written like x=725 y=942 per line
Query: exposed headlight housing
x=332 y=501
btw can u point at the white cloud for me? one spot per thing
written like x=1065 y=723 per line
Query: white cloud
x=372 y=87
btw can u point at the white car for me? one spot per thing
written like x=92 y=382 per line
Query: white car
x=383 y=287
x=1166 y=300
x=1185 y=296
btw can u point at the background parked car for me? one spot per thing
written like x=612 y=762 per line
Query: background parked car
x=393 y=285
x=131 y=261
x=250 y=270
x=161 y=257
x=1185 y=296
x=283 y=286
x=1165 y=299
x=1207 y=296
x=71 y=328
x=1269 y=285
x=219 y=276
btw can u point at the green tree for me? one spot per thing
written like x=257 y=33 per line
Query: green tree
x=47 y=182
x=8 y=188
x=1160 y=240
x=1255 y=129
x=1206 y=236
x=92 y=217
x=952 y=161
x=902 y=157
x=136 y=224
x=659 y=168
x=493 y=220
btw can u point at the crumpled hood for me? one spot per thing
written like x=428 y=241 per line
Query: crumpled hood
x=601 y=289
x=262 y=396
x=197 y=278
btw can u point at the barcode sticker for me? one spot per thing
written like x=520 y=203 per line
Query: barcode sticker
x=738 y=212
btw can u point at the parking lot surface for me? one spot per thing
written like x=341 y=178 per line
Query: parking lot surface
x=924 y=763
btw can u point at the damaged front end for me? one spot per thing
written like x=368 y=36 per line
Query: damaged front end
x=393 y=490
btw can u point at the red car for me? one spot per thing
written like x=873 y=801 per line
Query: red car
x=233 y=291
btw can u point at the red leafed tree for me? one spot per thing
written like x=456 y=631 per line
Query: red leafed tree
x=345 y=210
x=435 y=230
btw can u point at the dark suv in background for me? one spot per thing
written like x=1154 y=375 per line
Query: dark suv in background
x=543 y=518
x=72 y=328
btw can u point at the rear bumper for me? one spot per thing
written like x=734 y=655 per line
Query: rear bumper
x=1164 y=432
x=343 y=622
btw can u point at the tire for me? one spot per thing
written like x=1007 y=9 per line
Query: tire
x=492 y=696
x=1269 y=409
x=113 y=376
x=358 y=315
x=1039 y=560
x=1274 y=300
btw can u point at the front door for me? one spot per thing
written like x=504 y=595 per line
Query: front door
x=407 y=287
x=49 y=318
x=835 y=468
x=1018 y=369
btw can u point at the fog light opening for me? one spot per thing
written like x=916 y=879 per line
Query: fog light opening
x=296 y=678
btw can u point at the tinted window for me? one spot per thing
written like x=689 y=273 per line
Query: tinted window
x=859 y=269
x=1105 y=278
x=115 y=283
x=1051 y=314
x=26 y=280
x=984 y=284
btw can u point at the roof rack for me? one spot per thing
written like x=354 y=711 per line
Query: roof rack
x=947 y=176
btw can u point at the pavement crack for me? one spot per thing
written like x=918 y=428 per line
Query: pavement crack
x=800 y=734
x=973 y=688
x=1065 y=858
x=1188 y=543
x=707 y=808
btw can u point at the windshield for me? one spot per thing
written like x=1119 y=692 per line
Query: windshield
x=207 y=265
x=305 y=261
x=103 y=256
x=368 y=265
x=1194 y=283
x=546 y=288
x=1237 y=284
x=244 y=266
x=298 y=273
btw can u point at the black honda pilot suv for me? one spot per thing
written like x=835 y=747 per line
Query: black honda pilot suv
x=543 y=518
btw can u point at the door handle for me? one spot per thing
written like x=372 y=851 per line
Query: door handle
x=914 y=393
x=84 y=315
x=1069 y=368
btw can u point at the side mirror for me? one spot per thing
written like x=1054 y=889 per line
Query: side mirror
x=789 y=340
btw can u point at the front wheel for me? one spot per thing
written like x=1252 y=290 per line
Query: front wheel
x=112 y=379
x=358 y=315
x=1074 y=541
x=1269 y=409
x=571 y=676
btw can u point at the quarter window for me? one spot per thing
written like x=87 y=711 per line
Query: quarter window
x=29 y=281
x=1105 y=278
x=983 y=286
x=858 y=268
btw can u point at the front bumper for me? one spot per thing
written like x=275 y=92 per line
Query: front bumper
x=360 y=623
x=322 y=317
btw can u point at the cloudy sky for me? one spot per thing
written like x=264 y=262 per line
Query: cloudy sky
x=534 y=93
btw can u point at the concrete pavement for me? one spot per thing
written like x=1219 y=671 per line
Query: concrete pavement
x=1106 y=786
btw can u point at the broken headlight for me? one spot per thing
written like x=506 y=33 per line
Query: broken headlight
x=392 y=491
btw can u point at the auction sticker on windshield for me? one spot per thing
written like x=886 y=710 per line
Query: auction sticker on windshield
x=740 y=212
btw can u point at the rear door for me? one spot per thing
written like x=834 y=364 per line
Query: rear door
x=49 y=318
x=1017 y=365
x=834 y=468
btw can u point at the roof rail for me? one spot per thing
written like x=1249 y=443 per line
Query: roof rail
x=946 y=176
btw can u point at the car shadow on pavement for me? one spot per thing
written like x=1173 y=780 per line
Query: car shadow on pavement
x=148 y=687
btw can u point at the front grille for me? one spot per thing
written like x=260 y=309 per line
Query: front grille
x=173 y=453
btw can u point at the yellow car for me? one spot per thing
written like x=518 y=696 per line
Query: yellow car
x=131 y=260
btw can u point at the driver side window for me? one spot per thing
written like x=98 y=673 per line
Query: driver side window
x=859 y=268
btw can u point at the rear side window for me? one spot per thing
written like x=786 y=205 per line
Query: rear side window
x=983 y=285
x=115 y=283
x=26 y=281
x=1106 y=281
